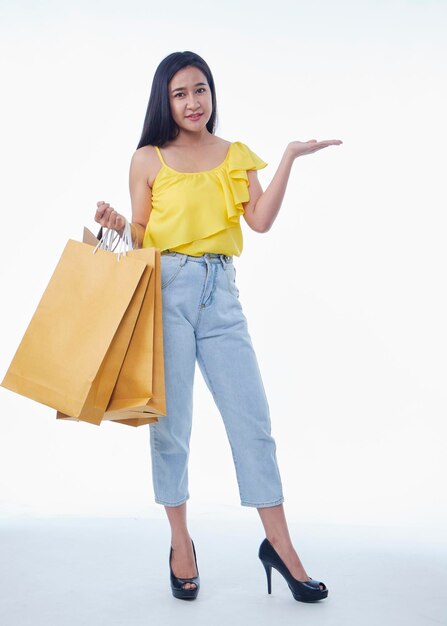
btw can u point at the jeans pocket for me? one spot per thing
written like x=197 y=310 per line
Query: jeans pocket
x=170 y=269
x=230 y=272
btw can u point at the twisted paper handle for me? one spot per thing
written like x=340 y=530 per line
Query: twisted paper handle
x=124 y=241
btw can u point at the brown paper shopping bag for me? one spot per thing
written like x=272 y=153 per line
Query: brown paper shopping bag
x=139 y=394
x=76 y=342
x=144 y=361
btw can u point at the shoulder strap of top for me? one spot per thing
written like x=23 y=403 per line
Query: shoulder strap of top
x=159 y=155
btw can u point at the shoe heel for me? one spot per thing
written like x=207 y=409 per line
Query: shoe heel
x=268 y=571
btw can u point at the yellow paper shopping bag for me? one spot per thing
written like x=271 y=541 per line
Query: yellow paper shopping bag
x=144 y=360
x=77 y=339
x=139 y=394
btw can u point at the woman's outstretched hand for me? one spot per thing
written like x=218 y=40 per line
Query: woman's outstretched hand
x=108 y=217
x=298 y=148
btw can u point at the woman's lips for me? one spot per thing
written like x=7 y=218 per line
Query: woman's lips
x=195 y=117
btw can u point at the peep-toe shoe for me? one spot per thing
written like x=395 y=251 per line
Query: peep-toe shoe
x=304 y=591
x=176 y=583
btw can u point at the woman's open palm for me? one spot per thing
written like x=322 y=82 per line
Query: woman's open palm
x=299 y=148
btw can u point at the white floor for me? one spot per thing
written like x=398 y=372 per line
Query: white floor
x=114 y=571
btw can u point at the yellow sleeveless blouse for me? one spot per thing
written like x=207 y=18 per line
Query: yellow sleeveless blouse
x=199 y=212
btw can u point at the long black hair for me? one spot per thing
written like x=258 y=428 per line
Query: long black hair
x=159 y=126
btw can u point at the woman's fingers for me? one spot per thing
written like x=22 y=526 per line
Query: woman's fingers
x=330 y=142
x=108 y=217
x=100 y=211
x=324 y=144
x=119 y=222
x=314 y=144
x=299 y=148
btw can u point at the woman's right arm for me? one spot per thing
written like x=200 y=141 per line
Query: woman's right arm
x=140 y=192
x=141 y=200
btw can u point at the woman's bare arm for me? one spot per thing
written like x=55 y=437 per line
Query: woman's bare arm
x=141 y=200
x=140 y=193
x=263 y=207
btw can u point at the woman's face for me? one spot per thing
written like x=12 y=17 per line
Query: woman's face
x=190 y=94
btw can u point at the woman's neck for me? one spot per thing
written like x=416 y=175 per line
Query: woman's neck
x=188 y=139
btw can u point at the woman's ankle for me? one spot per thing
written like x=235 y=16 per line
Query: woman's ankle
x=180 y=540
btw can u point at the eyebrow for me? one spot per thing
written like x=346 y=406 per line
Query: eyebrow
x=182 y=88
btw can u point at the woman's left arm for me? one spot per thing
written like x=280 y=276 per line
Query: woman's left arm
x=263 y=207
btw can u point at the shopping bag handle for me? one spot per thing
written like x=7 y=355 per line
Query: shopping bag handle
x=108 y=237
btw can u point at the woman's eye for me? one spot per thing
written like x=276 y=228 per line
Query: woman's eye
x=181 y=93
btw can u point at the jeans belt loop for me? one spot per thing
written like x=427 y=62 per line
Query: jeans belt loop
x=225 y=260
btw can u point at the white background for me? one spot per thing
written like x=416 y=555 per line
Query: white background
x=345 y=296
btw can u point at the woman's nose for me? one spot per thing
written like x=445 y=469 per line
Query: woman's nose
x=193 y=103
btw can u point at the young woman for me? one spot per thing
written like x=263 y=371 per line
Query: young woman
x=188 y=191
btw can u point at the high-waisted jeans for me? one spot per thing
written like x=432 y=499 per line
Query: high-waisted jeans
x=203 y=320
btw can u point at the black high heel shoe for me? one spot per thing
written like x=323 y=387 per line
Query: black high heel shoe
x=176 y=583
x=308 y=591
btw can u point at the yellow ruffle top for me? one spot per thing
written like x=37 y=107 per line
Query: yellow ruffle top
x=199 y=212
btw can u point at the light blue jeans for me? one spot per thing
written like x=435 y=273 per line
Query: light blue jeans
x=203 y=320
